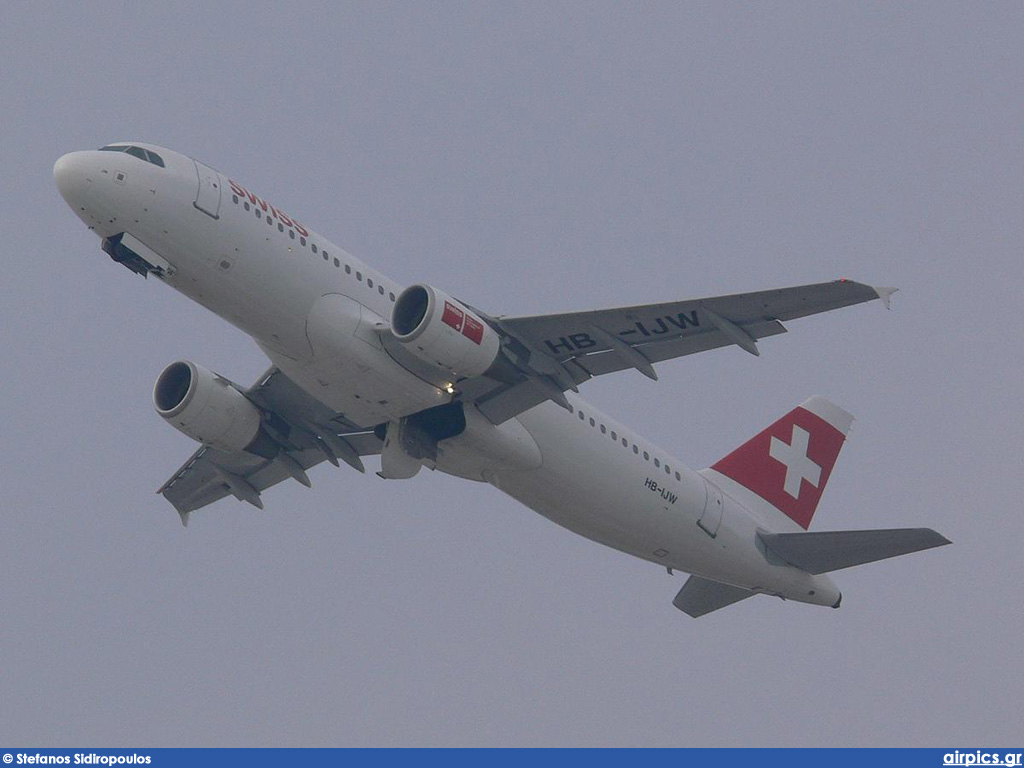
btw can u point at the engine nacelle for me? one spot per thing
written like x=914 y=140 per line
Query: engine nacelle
x=441 y=332
x=206 y=407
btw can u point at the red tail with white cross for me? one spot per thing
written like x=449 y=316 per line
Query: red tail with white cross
x=788 y=464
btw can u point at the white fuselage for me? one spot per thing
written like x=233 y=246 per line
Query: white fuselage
x=282 y=283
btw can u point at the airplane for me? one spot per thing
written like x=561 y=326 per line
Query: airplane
x=362 y=366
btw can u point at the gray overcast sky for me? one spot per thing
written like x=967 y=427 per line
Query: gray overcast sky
x=530 y=158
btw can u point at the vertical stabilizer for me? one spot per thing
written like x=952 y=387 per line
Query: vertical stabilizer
x=785 y=467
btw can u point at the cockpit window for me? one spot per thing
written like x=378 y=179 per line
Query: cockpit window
x=139 y=152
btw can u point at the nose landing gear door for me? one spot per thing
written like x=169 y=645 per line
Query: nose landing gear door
x=208 y=195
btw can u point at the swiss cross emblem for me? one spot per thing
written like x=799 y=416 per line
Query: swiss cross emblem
x=775 y=463
x=463 y=322
x=794 y=457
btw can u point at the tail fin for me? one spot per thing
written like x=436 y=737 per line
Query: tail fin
x=785 y=467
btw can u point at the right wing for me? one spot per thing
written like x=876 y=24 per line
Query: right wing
x=306 y=431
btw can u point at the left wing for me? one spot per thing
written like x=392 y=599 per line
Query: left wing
x=306 y=433
x=562 y=351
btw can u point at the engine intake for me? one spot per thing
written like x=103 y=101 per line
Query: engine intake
x=208 y=408
x=442 y=332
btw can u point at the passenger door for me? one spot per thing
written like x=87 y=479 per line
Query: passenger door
x=208 y=195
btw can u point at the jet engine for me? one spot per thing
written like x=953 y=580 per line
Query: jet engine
x=442 y=332
x=208 y=408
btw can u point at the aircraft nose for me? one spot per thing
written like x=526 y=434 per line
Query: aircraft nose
x=71 y=175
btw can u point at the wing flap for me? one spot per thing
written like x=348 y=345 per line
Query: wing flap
x=827 y=551
x=503 y=402
x=700 y=596
x=659 y=351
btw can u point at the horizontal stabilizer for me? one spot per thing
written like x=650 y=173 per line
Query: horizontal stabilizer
x=827 y=551
x=699 y=596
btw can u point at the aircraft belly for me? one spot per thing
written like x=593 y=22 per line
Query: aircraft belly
x=599 y=489
x=607 y=518
x=325 y=343
x=350 y=371
x=230 y=271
